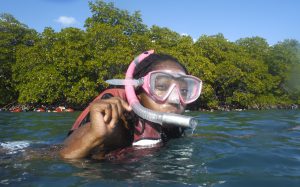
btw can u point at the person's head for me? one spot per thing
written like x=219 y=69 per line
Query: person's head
x=165 y=64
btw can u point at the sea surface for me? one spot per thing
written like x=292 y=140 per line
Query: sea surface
x=247 y=148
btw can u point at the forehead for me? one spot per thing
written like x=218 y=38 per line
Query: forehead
x=169 y=65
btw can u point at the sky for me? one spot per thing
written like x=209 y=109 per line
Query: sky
x=274 y=20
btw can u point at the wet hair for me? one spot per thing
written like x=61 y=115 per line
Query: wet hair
x=150 y=63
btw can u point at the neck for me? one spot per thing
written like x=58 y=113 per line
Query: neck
x=147 y=133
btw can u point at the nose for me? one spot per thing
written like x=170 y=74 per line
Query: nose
x=174 y=97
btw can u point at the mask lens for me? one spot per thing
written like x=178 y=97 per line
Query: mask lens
x=188 y=87
x=161 y=84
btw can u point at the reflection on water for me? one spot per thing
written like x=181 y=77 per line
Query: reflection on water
x=249 y=148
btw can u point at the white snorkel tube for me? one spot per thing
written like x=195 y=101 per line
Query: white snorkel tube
x=145 y=113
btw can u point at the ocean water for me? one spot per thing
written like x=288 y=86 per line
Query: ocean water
x=248 y=148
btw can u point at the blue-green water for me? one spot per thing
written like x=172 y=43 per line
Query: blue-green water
x=249 y=148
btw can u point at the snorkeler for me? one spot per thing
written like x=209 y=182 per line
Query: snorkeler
x=146 y=113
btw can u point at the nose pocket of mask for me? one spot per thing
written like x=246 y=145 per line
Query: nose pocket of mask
x=174 y=97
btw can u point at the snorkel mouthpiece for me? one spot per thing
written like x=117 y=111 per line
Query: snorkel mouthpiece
x=162 y=118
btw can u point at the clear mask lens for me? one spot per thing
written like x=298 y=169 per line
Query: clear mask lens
x=162 y=86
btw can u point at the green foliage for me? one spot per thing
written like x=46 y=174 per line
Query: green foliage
x=71 y=66
x=227 y=80
x=283 y=62
x=241 y=99
x=163 y=39
x=292 y=83
x=107 y=13
x=12 y=34
x=216 y=48
x=44 y=86
x=256 y=47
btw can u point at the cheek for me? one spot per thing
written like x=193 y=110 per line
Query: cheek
x=147 y=102
x=167 y=107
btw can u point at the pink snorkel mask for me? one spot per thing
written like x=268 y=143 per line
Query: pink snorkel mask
x=162 y=86
x=177 y=88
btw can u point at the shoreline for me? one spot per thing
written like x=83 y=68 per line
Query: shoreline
x=64 y=108
x=271 y=107
x=36 y=108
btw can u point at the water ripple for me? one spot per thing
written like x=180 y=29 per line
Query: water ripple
x=249 y=148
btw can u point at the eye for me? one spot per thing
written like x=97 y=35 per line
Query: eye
x=161 y=87
x=183 y=91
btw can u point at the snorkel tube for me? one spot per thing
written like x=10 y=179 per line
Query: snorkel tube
x=162 y=118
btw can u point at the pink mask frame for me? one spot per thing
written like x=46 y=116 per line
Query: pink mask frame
x=195 y=93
